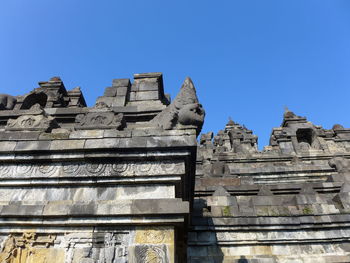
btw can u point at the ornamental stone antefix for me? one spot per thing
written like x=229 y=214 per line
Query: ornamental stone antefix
x=185 y=110
x=111 y=183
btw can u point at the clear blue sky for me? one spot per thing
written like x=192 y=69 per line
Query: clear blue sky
x=248 y=59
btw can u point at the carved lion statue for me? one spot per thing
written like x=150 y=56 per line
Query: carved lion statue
x=184 y=110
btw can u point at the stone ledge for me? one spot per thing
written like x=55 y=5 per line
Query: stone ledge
x=152 y=207
x=260 y=222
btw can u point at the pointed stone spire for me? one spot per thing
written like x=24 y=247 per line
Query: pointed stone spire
x=291 y=117
x=184 y=110
x=187 y=94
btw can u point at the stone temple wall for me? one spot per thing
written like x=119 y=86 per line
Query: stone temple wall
x=287 y=203
x=127 y=181
x=111 y=183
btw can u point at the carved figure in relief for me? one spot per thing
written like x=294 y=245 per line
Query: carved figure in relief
x=26 y=248
x=184 y=110
x=8 y=250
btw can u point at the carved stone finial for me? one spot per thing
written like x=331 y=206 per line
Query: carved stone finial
x=230 y=122
x=338 y=127
x=184 y=110
x=288 y=114
x=56 y=79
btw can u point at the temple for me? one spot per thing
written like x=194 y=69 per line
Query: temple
x=126 y=181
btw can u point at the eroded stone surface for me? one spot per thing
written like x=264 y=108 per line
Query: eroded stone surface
x=100 y=184
x=113 y=183
x=287 y=203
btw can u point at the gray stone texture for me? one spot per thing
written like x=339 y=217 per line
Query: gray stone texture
x=125 y=181
x=287 y=203
x=111 y=185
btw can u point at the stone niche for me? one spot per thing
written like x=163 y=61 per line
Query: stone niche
x=111 y=183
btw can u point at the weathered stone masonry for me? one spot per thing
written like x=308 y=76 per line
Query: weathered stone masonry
x=108 y=184
x=287 y=203
x=124 y=181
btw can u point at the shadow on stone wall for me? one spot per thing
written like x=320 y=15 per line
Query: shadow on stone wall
x=243 y=260
x=203 y=246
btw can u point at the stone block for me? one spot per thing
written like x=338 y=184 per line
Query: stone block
x=132 y=96
x=159 y=206
x=122 y=91
x=171 y=141
x=54 y=136
x=82 y=209
x=101 y=143
x=146 y=95
x=134 y=142
x=221 y=201
x=22 y=210
x=121 y=82
x=266 y=200
x=67 y=145
x=216 y=211
x=148 y=86
x=110 y=92
x=84 y=134
x=119 y=101
x=115 y=208
x=116 y=134
x=33 y=146
x=7 y=146
x=58 y=208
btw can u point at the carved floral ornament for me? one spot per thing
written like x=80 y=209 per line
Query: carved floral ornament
x=92 y=169
x=100 y=119
x=151 y=254
x=31 y=123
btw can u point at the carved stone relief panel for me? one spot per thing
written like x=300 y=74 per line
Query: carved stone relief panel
x=100 y=120
x=150 y=254
x=91 y=169
x=153 y=245
x=122 y=245
x=31 y=123
x=99 y=247
x=30 y=247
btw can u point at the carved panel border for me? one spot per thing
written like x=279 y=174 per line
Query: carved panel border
x=80 y=169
